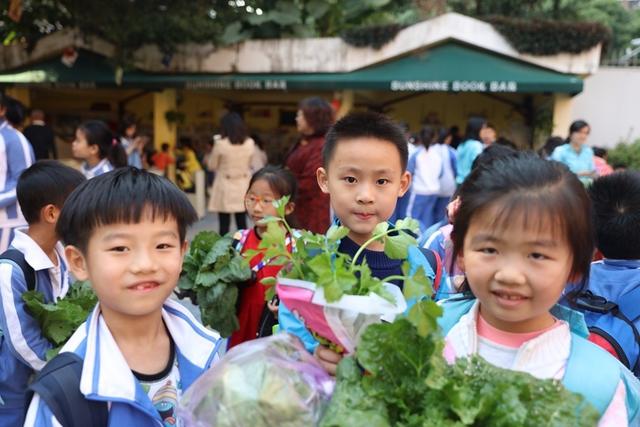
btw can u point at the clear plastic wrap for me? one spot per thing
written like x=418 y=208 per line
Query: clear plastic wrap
x=267 y=382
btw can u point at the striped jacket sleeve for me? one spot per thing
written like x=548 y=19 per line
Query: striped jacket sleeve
x=20 y=329
x=19 y=157
x=40 y=415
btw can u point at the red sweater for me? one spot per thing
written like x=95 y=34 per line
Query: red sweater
x=312 y=205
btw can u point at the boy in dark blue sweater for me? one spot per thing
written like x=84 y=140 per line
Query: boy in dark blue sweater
x=364 y=173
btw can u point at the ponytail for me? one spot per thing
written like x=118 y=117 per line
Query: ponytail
x=98 y=133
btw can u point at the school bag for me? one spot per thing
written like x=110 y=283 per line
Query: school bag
x=615 y=323
x=58 y=385
x=598 y=385
x=18 y=258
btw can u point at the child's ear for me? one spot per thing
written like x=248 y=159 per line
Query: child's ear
x=405 y=182
x=323 y=180
x=289 y=208
x=49 y=214
x=77 y=262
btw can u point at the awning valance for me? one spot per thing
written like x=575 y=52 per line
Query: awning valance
x=450 y=67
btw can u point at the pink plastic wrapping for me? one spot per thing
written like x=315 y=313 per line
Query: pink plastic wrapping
x=341 y=322
x=267 y=382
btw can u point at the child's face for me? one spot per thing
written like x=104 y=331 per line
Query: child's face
x=364 y=179
x=259 y=203
x=517 y=272
x=133 y=268
x=81 y=148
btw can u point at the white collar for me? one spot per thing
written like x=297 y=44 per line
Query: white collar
x=544 y=356
x=33 y=253
x=105 y=372
x=37 y=122
x=92 y=171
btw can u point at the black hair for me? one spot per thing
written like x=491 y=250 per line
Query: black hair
x=15 y=111
x=552 y=143
x=165 y=146
x=122 y=196
x=46 y=182
x=493 y=153
x=127 y=122
x=367 y=124
x=576 y=126
x=474 y=125
x=600 y=152
x=98 y=133
x=280 y=180
x=428 y=135
x=537 y=190
x=616 y=206
x=232 y=127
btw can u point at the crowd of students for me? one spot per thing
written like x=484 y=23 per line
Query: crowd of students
x=516 y=246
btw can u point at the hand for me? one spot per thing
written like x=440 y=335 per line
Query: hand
x=273 y=308
x=329 y=359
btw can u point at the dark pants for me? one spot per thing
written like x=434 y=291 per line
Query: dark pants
x=225 y=220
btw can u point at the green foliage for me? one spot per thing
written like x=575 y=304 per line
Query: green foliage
x=544 y=37
x=626 y=155
x=317 y=259
x=59 y=320
x=212 y=271
x=408 y=384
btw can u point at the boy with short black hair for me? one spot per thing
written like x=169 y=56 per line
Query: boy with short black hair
x=616 y=279
x=364 y=172
x=35 y=261
x=138 y=350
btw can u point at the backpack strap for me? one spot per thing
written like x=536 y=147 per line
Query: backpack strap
x=58 y=385
x=18 y=258
x=454 y=308
x=433 y=258
x=240 y=238
x=597 y=385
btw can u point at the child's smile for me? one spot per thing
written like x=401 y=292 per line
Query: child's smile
x=517 y=272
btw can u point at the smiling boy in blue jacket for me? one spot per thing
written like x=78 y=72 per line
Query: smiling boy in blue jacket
x=138 y=350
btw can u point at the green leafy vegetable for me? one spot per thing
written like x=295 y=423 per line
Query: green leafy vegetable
x=59 y=320
x=409 y=384
x=317 y=259
x=211 y=273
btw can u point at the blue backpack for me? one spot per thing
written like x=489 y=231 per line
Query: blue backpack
x=615 y=323
x=598 y=385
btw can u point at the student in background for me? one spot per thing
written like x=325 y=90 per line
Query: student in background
x=98 y=148
x=42 y=190
x=470 y=148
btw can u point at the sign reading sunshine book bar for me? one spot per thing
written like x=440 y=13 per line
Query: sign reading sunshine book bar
x=453 y=86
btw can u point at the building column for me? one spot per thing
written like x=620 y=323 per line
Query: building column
x=164 y=131
x=22 y=94
x=562 y=109
x=346 y=103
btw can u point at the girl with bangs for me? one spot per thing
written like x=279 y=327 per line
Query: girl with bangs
x=522 y=232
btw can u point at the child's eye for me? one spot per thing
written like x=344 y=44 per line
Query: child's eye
x=382 y=181
x=538 y=256
x=118 y=249
x=164 y=246
x=488 y=251
x=350 y=179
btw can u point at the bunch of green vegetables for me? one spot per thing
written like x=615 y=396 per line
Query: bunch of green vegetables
x=211 y=273
x=316 y=257
x=409 y=384
x=59 y=320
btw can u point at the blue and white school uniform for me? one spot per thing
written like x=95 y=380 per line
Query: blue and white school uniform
x=103 y=166
x=22 y=346
x=466 y=154
x=426 y=186
x=447 y=177
x=133 y=157
x=106 y=376
x=16 y=154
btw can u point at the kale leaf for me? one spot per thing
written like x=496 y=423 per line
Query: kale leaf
x=211 y=273
x=59 y=320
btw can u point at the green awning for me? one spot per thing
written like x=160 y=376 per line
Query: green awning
x=450 y=67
